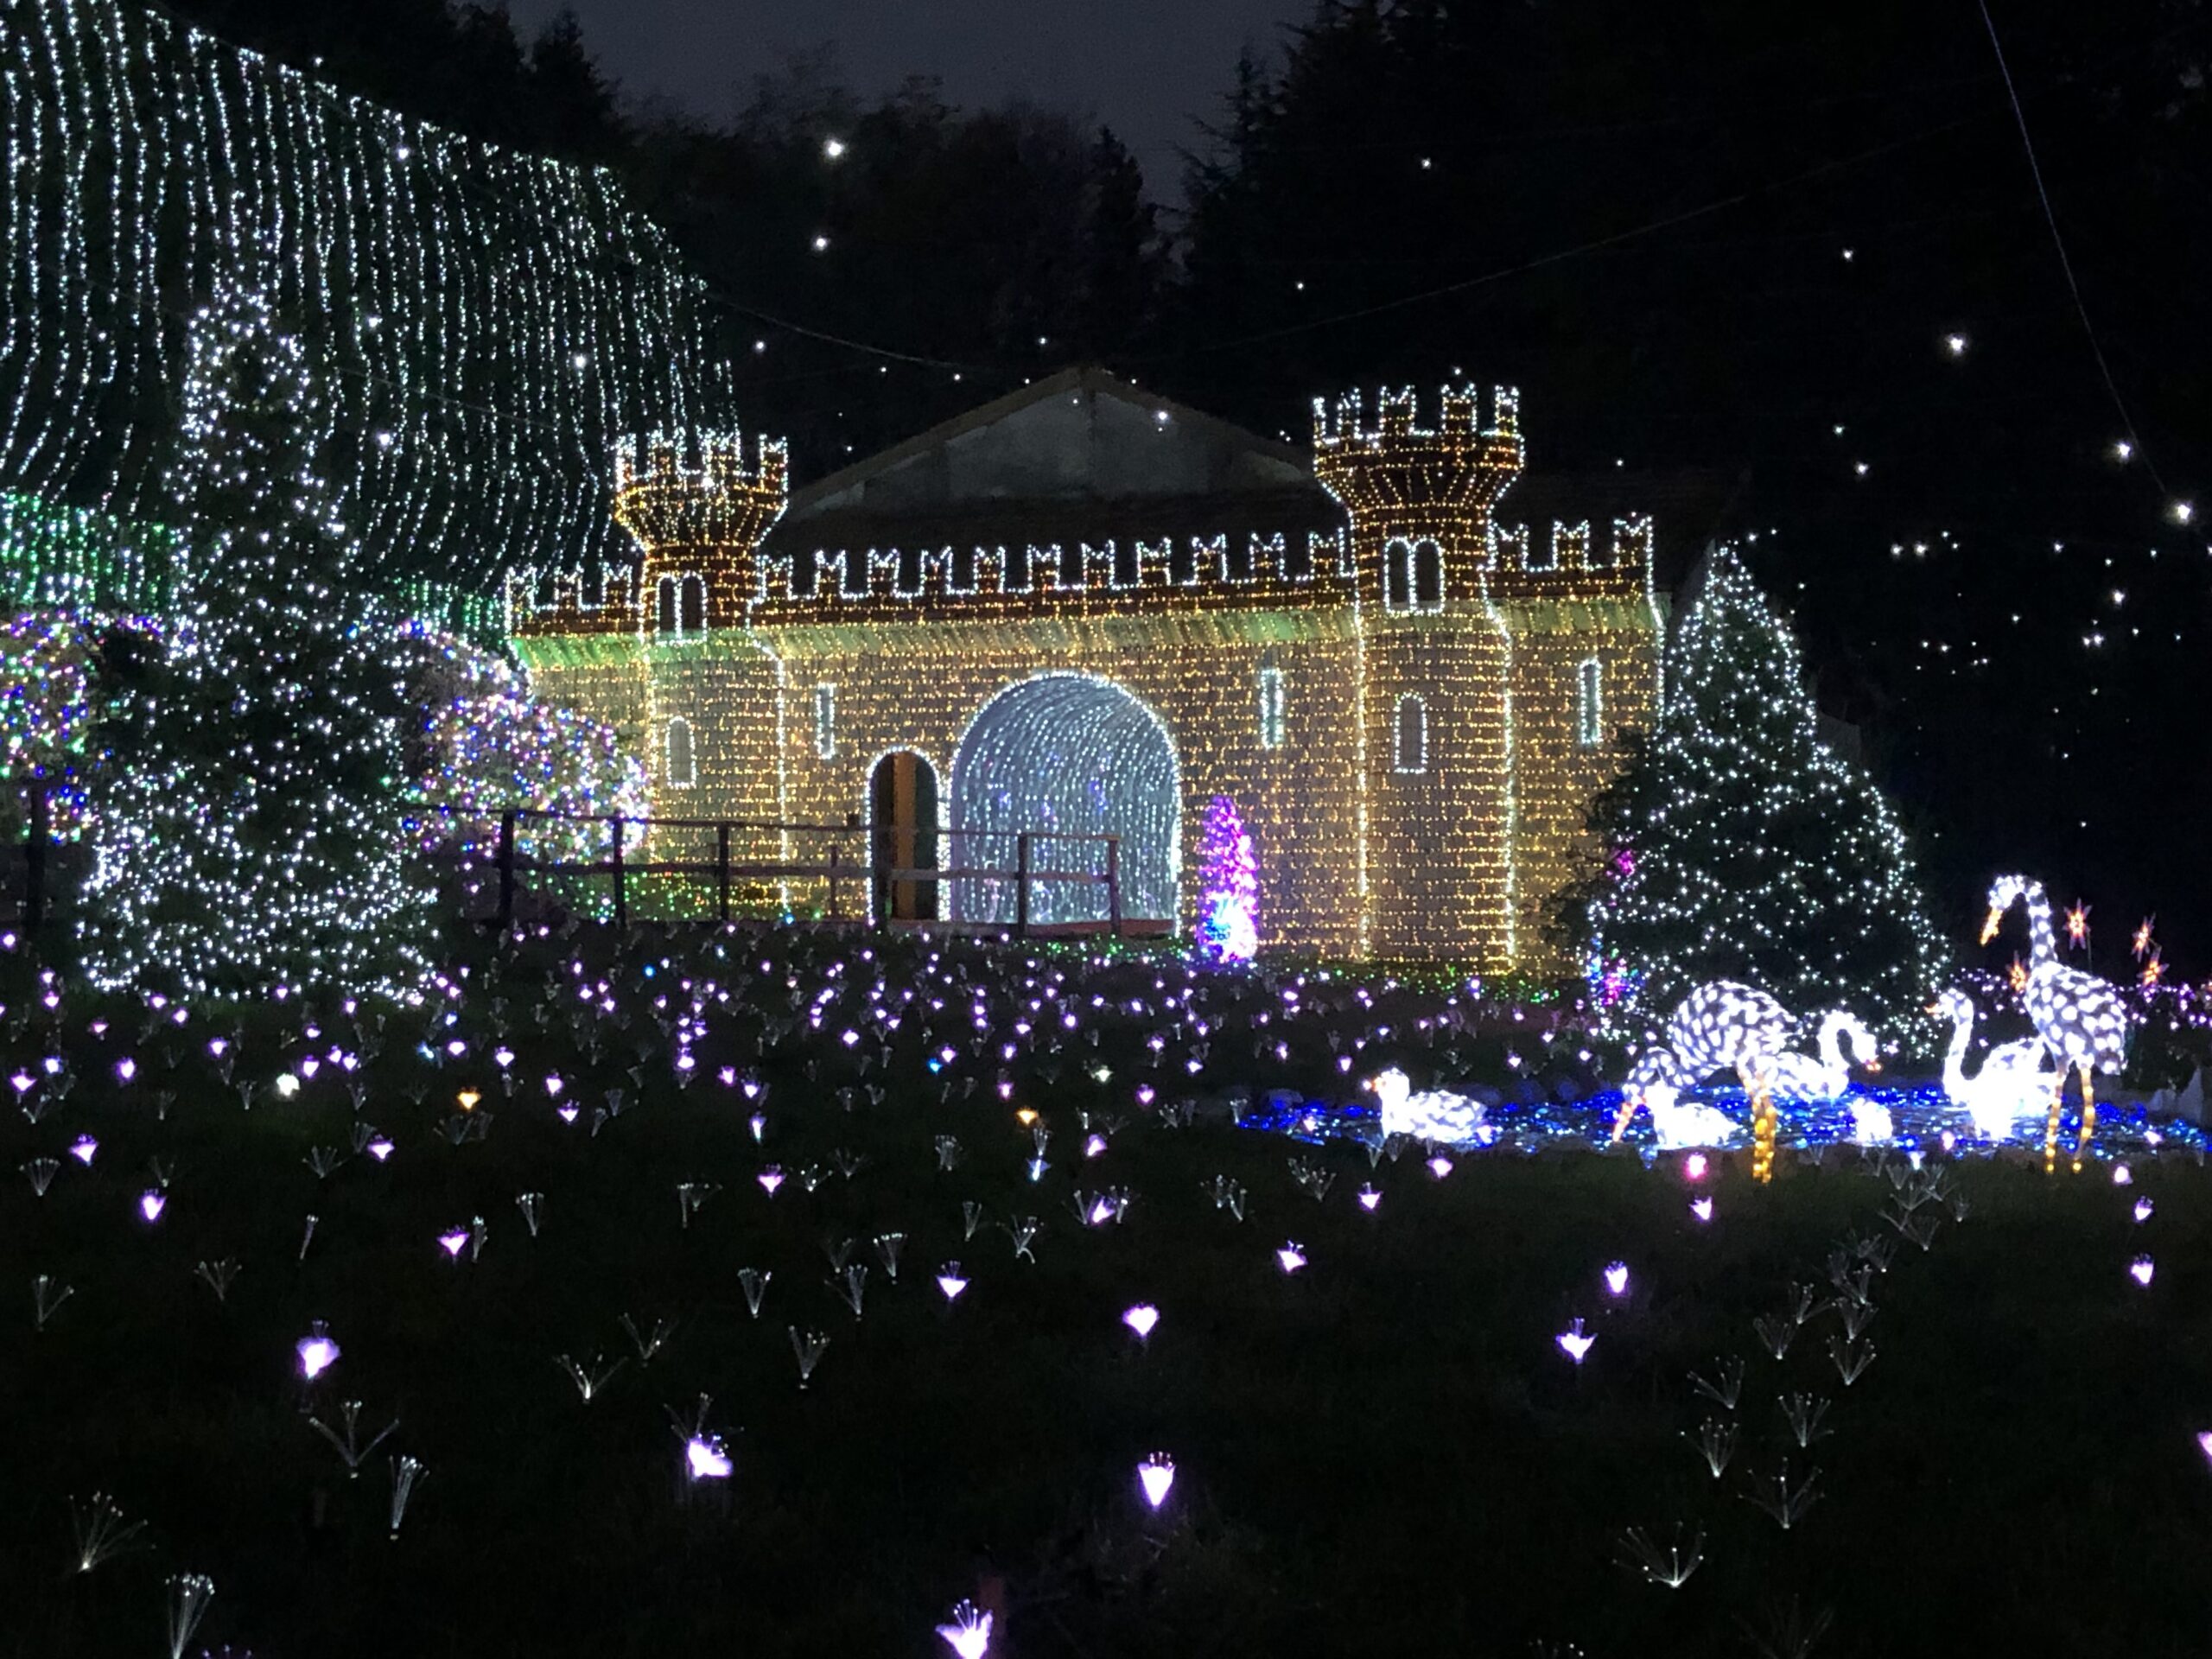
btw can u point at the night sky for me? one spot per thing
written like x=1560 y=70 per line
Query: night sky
x=1145 y=67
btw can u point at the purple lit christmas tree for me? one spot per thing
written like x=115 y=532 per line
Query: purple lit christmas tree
x=1229 y=885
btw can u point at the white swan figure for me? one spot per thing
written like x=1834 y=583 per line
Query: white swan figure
x=1804 y=1077
x=2078 y=1017
x=2014 y=1080
x=1430 y=1114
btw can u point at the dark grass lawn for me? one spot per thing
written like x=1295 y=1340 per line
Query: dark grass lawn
x=1385 y=1453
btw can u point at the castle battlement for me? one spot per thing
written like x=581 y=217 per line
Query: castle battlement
x=591 y=599
x=1217 y=568
x=1566 y=549
x=722 y=503
x=1338 y=424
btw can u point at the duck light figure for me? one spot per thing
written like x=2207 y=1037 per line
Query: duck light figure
x=1435 y=1115
x=2078 y=1017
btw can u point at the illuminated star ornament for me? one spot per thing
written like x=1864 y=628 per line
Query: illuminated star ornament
x=2142 y=943
x=2077 y=926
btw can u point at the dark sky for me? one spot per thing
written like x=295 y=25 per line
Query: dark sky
x=1145 y=67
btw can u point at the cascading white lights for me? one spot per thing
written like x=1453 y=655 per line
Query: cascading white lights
x=488 y=323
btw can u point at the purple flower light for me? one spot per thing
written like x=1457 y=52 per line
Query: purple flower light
x=1141 y=1319
x=1369 y=1197
x=2141 y=1270
x=151 y=1202
x=1291 y=1256
x=1694 y=1167
x=82 y=1149
x=1701 y=1208
x=1440 y=1165
x=2122 y=1176
x=706 y=1458
x=1156 y=1474
x=770 y=1178
x=968 y=1634
x=453 y=1240
x=2143 y=1208
x=380 y=1148
x=951 y=1282
x=1617 y=1279
x=1575 y=1343
x=317 y=1352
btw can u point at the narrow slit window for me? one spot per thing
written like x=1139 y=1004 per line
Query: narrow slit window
x=825 y=721
x=1590 y=722
x=1409 y=739
x=682 y=765
x=691 y=605
x=1271 y=708
x=1428 y=576
x=1397 y=577
x=665 y=605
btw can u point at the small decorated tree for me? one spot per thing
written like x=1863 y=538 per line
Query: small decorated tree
x=488 y=746
x=49 y=709
x=252 y=829
x=1229 y=885
x=1736 y=845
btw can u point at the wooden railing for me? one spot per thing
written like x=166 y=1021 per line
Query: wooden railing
x=836 y=864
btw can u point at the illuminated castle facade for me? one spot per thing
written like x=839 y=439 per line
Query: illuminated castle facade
x=1085 y=610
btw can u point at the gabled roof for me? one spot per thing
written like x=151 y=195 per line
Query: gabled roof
x=1079 y=438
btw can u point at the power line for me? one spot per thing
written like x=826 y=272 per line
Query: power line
x=2058 y=241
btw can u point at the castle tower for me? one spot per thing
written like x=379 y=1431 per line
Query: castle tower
x=1435 y=707
x=697 y=526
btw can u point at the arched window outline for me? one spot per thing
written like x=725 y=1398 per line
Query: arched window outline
x=664 y=614
x=1590 y=709
x=1409 y=735
x=1272 y=704
x=1428 y=575
x=681 y=757
x=692 y=604
x=825 y=721
x=1397 y=576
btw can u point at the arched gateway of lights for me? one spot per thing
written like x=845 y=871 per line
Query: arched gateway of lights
x=1086 y=610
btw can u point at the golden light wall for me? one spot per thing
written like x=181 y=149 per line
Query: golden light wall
x=1279 y=664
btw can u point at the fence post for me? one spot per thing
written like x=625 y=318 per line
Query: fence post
x=506 y=870
x=35 y=861
x=722 y=867
x=1021 y=886
x=1113 y=883
x=621 y=891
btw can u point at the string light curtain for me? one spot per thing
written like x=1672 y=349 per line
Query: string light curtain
x=490 y=321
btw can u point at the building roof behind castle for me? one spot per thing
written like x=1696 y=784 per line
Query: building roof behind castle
x=1082 y=454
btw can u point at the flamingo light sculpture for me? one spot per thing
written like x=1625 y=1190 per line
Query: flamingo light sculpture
x=2078 y=1017
x=2012 y=1080
x=1725 y=1026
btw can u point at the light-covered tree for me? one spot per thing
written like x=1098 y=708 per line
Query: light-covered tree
x=1737 y=845
x=252 y=829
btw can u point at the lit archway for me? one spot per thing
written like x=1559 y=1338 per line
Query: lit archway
x=1078 y=756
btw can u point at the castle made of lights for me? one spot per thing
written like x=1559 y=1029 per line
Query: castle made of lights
x=1084 y=610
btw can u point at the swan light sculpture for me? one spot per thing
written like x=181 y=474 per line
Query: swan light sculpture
x=2012 y=1082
